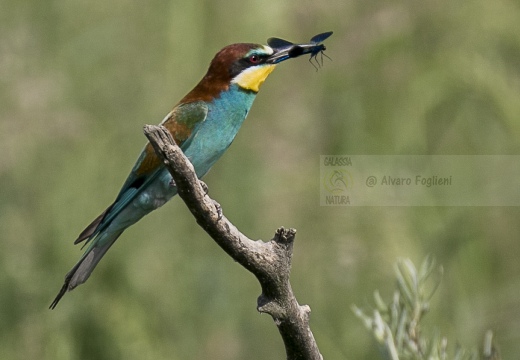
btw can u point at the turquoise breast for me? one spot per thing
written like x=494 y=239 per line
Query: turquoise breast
x=214 y=135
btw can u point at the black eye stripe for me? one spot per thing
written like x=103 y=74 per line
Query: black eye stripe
x=255 y=59
x=245 y=62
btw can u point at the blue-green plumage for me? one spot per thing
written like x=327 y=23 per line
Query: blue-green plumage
x=204 y=124
x=212 y=137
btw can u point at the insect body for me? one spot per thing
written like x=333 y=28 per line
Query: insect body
x=319 y=48
x=314 y=47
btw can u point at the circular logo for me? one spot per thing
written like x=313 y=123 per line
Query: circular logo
x=337 y=181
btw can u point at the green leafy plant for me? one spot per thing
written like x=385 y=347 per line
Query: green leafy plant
x=396 y=325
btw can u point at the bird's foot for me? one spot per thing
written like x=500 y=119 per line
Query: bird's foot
x=204 y=187
x=216 y=204
x=218 y=208
x=172 y=183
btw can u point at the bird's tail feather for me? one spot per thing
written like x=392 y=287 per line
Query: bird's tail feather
x=82 y=270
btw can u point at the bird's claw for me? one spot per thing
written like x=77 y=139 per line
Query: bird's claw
x=216 y=204
x=172 y=183
x=219 y=209
x=204 y=187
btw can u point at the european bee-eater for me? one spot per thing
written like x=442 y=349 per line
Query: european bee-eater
x=203 y=124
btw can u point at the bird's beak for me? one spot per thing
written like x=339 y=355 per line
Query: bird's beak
x=279 y=54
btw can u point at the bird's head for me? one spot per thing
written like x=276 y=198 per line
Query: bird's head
x=246 y=65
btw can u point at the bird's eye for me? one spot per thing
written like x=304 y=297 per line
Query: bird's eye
x=254 y=59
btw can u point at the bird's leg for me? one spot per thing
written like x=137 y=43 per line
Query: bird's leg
x=204 y=187
x=216 y=204
x=218 y=208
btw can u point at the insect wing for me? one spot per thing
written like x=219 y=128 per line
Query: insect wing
x=278 y=43
x=316 y=39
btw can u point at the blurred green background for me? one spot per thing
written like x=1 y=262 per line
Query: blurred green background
x=78 y=80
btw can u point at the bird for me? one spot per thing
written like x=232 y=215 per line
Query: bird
x=203 y=124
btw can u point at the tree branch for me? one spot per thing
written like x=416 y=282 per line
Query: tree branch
x=270 y=262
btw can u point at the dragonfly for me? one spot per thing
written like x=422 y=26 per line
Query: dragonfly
x=314 y=47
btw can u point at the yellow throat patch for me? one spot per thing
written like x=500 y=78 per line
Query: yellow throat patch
x=252 y=78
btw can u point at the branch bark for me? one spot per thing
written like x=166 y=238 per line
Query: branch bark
x=269 y=261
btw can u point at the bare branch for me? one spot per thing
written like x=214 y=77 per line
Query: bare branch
x=269 y=261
